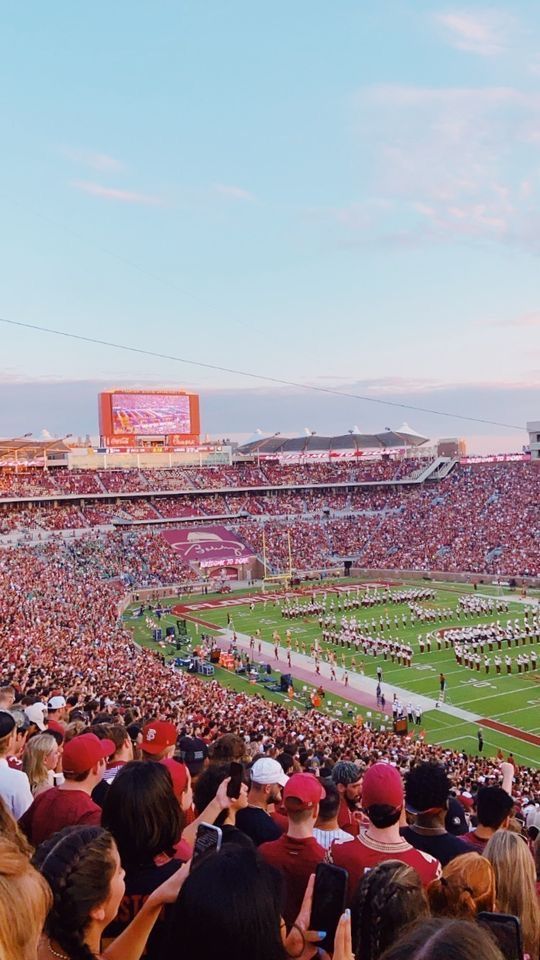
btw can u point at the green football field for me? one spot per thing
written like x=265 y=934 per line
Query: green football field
x=513 y=700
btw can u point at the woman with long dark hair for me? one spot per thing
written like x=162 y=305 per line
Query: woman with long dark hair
x=83 y=869
x=230 y=907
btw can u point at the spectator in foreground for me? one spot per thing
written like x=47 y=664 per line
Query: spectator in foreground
x=158 y=740
x=382 y=802
x=25 y=900
x=267 y=781
x=10 y=830
x=515 y=877
x=327 y=829
x=142 y=814
x=439 y=939
x=297 y=853
x=389 y=898
x=205 y=791
x=466 y=888
x=14 y=786
x=427 y=790
x=71 y=803
x=40 y=761
x=347 y=777
x=493 y=810
x=83 y=869
x=237 y=897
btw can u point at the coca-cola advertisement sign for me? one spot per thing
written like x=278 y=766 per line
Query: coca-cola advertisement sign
x=209 y=546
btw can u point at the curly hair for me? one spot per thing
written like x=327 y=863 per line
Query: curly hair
x=427 y=786
x=78 y=865
x=387 y=899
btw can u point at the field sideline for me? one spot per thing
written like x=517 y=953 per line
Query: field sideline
x=512 y=700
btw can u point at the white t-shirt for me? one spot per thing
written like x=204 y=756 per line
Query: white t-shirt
x=14 y=789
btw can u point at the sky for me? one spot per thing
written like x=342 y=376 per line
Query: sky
x=342 y=195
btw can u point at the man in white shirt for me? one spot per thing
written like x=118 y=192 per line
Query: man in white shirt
x=14 y=786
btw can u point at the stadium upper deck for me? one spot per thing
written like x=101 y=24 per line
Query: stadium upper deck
x=480 y=519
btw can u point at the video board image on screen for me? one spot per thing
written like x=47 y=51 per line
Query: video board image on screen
x=146 y=415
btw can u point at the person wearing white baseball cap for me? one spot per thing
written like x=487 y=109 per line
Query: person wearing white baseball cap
x=267 y=779
x=57 y=711
x=36 y=714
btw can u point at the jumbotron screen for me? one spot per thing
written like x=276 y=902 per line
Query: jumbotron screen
x=150 y=414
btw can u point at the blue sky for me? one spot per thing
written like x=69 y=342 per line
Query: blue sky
x=343 y=194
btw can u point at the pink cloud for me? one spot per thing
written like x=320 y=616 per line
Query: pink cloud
x=523 y=320
x=103 y=162
x=484 y=32
x=114 y=193
x=232 y=192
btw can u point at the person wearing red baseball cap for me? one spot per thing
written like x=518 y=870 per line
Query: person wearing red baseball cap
x=297 y=853
x=382 y=802
x=84 y=764
x=158 y=740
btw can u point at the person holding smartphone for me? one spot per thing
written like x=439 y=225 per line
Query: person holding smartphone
x=205 y=790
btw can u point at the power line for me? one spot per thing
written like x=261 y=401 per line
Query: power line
x=255 y=376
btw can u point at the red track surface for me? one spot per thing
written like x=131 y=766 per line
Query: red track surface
x=511 y=731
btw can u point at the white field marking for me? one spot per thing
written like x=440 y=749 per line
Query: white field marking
x=491 y=696
x=512 y=712
x=496 y=746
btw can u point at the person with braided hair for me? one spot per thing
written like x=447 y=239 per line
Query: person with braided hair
x=466 y=887
x=82 y=866
x=387 y=899
x=24 y=901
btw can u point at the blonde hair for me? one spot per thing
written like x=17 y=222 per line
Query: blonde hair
x=515 y=875
x=25 y=900
x=73 y=730
x=10 y=830
x=466 y=887
x=35 y=753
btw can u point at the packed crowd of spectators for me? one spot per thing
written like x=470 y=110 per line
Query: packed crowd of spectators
x=110 y=760
x=480 y=519
x=35 y=482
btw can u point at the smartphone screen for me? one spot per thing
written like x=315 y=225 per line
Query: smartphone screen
x=506 y=930
x=208 y=840
x=328 y=903
x=236 y=773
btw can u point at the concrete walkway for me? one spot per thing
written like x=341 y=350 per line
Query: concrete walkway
x=361 y=690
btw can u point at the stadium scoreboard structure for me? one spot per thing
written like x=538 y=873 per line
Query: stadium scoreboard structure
x=135 y=418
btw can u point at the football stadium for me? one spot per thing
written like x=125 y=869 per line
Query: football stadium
x=270 y=691
x=401 y=586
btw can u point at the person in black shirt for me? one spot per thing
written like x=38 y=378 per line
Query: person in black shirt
x=267 y=780
x=427 y=790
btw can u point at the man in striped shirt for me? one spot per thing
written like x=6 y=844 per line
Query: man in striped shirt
x=327 y=829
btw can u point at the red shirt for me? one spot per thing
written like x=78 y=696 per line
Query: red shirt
x=474 y=841
x=55 y=809
x=362 y=854
x=348 y=820
x=297 y=860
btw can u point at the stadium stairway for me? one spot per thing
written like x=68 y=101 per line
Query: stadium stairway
x=444 y=467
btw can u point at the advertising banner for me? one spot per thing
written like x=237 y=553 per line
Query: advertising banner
x=208 y=546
